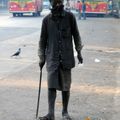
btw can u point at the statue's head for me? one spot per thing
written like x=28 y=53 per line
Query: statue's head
x=55 y=3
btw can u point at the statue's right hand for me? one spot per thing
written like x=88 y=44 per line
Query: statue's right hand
x=41 y=62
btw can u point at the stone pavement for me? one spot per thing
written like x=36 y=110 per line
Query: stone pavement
x=95 y=92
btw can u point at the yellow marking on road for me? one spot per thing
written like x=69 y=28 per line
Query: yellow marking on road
x=58 y=103
x=102 y=49
x=85 y=88
x=87 y=118
x=97 y=89
x=17 y=60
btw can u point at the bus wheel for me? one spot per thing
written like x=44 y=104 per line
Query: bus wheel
x=21 y=14
x=35 y=14
x=38 y=13
x=14 y=14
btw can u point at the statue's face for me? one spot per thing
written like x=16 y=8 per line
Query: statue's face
x=56 y=2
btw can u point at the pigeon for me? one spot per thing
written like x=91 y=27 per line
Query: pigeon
x=17 y=53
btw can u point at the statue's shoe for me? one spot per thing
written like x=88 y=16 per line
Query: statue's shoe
x=66 y=117
x=47 y=117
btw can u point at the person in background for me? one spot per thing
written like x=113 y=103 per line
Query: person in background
x=67 y=6
x=84 y=10
x=110 y=4
x=79 y=9
x=56 y=49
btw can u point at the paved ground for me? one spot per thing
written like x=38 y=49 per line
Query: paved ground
x=94 y=93
x=95 y=90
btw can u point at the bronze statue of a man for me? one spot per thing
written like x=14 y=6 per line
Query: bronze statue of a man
x=56 y=49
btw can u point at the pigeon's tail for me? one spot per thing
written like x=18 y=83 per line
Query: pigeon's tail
x=12 y=55
x=17 y=53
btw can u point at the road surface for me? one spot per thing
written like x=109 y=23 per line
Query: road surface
x=95 y=91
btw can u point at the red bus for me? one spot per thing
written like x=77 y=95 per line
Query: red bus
x=20 y=7
x=94 y=7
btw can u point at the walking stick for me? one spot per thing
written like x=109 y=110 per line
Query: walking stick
x=39 y=94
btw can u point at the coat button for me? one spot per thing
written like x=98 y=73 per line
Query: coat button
x=60 y=60
x=60 y=52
